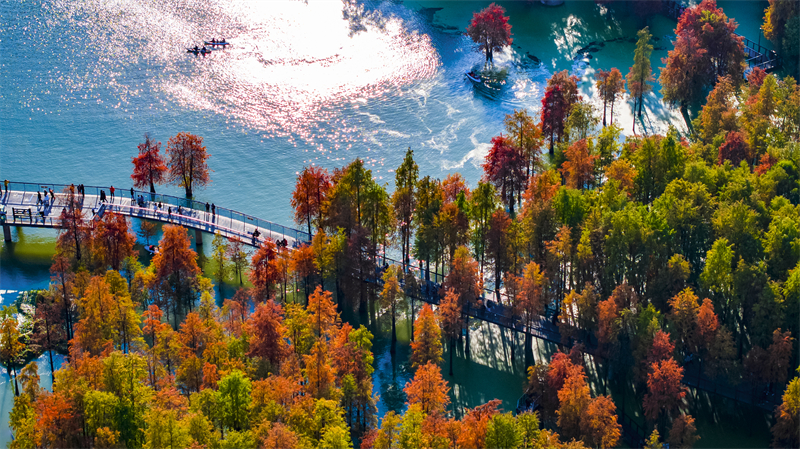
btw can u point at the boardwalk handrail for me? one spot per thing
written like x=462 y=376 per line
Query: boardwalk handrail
x=170 y=200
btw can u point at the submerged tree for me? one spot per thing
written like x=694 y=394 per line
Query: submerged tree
x=310 y=192
x=610 y=85
x=187 y=162
x=706 y=48
x=559 y=96
x=490 y=29
x=640 y=73
x=427 y=344
x=149 y=167
x=392 y=297
x=175 y=271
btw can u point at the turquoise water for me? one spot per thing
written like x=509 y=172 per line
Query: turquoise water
x=319 y=82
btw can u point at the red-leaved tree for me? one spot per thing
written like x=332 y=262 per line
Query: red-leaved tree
x=734 y=149
x=505 y=167
x=664 y=389
x=490 y=29
x=560 y=95
x=149 y=167
x=706 y=48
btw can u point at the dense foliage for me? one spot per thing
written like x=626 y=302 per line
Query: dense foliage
x=666 y=256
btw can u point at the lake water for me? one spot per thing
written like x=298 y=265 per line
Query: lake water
x=316 y=82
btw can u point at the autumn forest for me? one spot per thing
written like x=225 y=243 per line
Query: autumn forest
x=674 y=259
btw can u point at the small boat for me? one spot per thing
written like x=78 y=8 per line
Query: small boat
x=201 y=51
x=216 y=43
x=474 y=77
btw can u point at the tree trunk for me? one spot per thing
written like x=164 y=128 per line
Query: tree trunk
x=466 y=342
x=497 y=275
x=152 y=187
x=452 y=350
x=641 y=102
x=513 y=340
x=16 y=385
x=604 y=113
x=394 y=332
x=611 y=118
x=412 y=318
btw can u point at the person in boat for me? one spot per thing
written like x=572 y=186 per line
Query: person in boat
x=223 y=40
x=213 y=40
x=204 y=49
x=196 y=49
x=472 y=74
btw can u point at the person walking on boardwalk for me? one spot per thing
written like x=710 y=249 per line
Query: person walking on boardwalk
x=102 y=196
x=169 y=213
x=5 y=184
x=207 y=209
x=213 y=210
x=52 y=196
x=39 y=200
x=131 y=193
x=112 y=193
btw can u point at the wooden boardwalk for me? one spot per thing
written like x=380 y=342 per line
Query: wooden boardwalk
x=22 y=208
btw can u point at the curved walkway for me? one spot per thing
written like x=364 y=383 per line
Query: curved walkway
x=22 y=208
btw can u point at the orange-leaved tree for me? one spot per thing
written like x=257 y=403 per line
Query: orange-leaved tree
x=664 y=389
x=149 y=167
x=175 y=271
x=599 y=423
x=187 y=162
x=610 y=85
x=10 y=346
x=322 y=311
x=786 y=431
x=683 y=433
x=301 y=263
x=449 y=314
x=98 y=310
x=428 y=389
x=530 y=298
x=427 y=344
x=573 y=400
x=578 y=169
x=263 y=270
x=74 y=232
x=266 y=330
x=113 y=241
x=475 y=425
x=310 y=192
x=319 y=371
x=463 y=278
x=393 y=297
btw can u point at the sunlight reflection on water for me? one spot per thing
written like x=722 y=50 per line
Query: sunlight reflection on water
x=289 y=66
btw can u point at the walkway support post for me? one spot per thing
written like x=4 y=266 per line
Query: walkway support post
x=198 y=237
x=6 y=232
